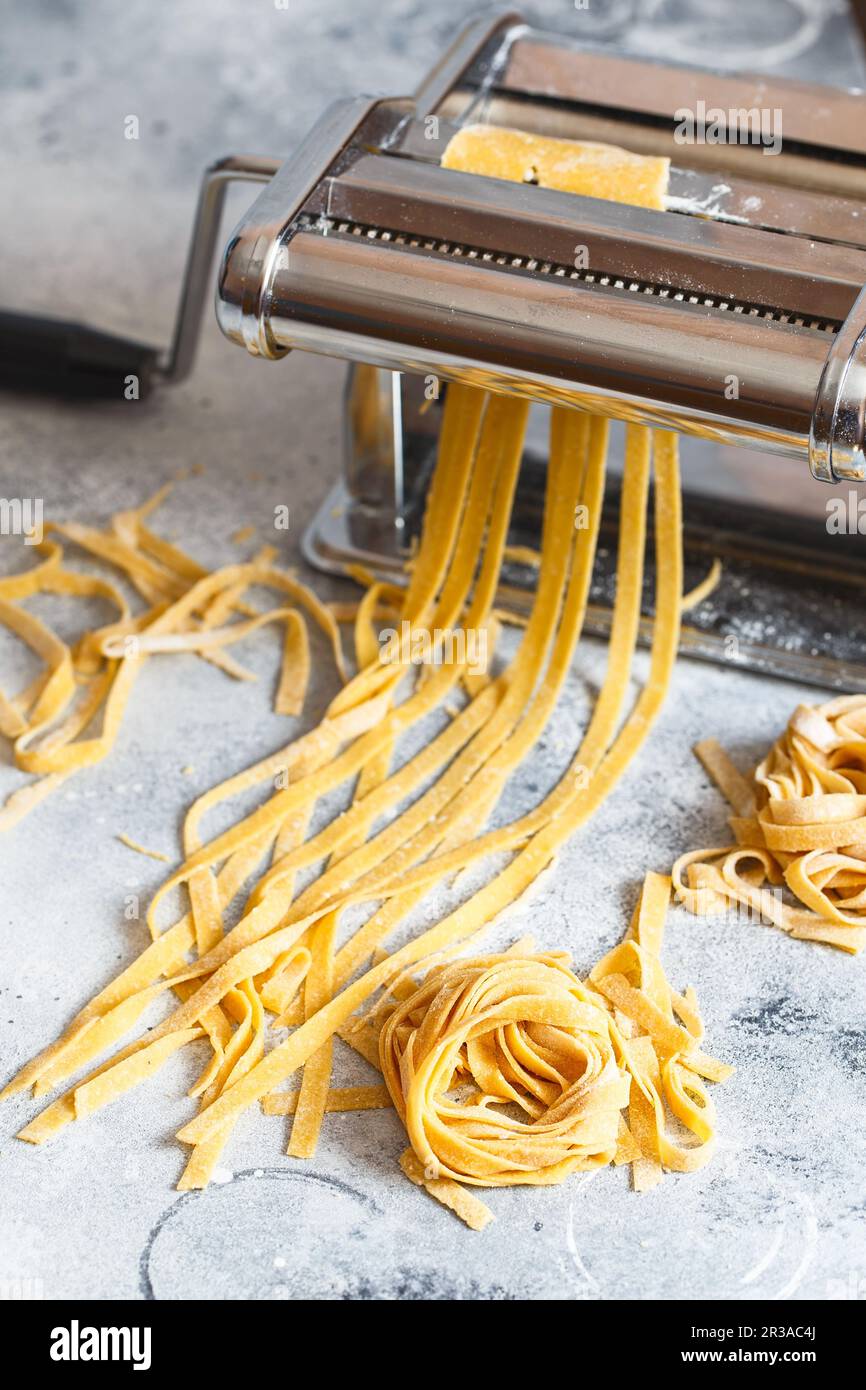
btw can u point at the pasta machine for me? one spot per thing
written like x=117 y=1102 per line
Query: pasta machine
x=736 y=316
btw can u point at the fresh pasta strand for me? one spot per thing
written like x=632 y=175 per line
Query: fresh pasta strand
x=627 y=528
x=412 y=822
x=168 y=952
x=557 y=821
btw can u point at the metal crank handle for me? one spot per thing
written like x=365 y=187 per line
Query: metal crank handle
x=61 y=358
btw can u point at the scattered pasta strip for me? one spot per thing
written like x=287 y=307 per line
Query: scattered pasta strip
x=799 y=822
x=21 y=802
x=704 y=588
x=339 y=1099
x=464 y=1204
x=732 y=784
x=140 y=849
x=522 y=555
x=189 y=611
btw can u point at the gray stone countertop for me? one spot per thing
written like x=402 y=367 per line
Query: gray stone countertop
x=94 y=226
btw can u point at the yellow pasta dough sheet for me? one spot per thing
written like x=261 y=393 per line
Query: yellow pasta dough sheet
x=583 y=167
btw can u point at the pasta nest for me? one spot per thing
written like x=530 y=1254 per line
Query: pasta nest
x=812 y=808
x=799 y=822
x=504 y=1072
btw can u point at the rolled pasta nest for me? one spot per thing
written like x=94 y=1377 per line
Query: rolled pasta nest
x=799 y=822
x=525 y=1035
x=509 y=1070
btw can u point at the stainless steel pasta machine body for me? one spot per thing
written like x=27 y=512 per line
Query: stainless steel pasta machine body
x=738 y=314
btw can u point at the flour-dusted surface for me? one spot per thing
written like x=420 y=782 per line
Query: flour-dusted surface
x=96 y=227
